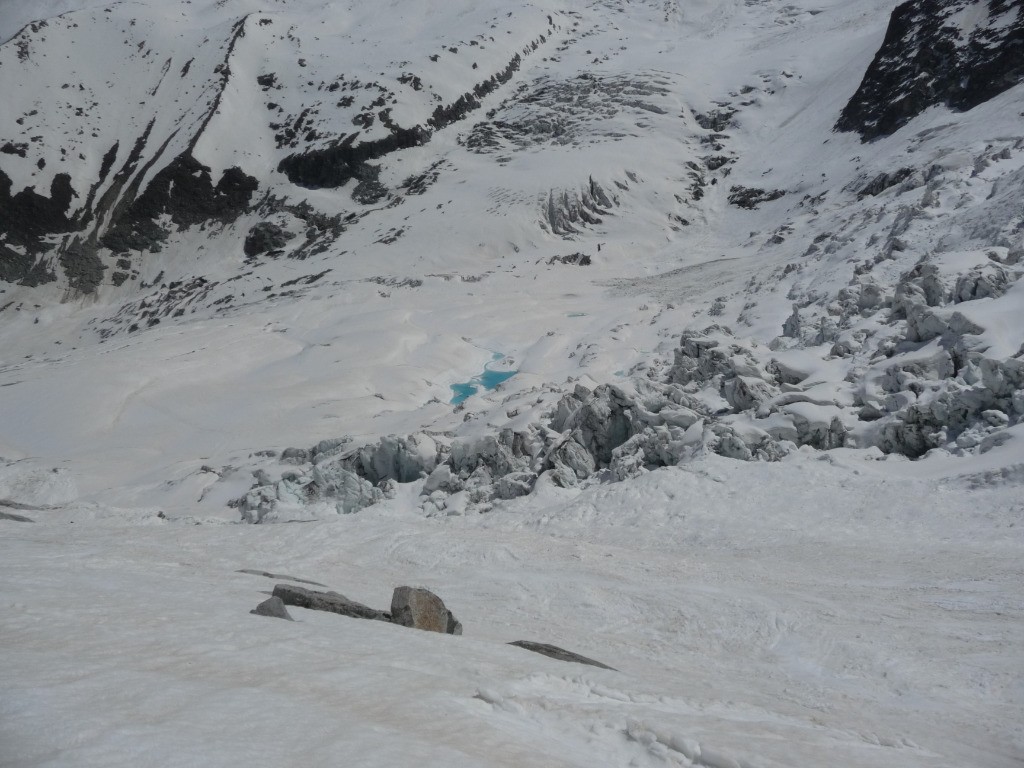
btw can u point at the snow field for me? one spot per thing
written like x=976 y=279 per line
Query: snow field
x=762 y=617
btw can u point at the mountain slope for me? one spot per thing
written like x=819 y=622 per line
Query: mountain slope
x=711 y=307
x=248 y=176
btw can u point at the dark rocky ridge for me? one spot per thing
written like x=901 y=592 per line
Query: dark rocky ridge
x=924 y=61
x=124 y=209
x=186 y=192
x=335 y=165
x=26 y=218
x=121 y=219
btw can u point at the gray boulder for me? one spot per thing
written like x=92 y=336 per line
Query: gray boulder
x=332 y=602
x=422 y=609
x=273 y=607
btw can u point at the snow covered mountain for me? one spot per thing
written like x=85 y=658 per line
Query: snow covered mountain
x=288 y=260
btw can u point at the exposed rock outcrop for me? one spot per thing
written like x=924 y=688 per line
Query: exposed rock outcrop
x=265 y=237
x=927 y=59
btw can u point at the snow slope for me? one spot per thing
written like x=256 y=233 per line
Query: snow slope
x=809 y=612
x=761 y=451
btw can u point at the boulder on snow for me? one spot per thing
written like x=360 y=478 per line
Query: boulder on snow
x=554 y=652
x=332 y=602
x=422 y=609
x=273 y=607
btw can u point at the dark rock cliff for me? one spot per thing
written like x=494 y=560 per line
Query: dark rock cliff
x=938 y=52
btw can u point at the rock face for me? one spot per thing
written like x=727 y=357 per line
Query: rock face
x=554 y=652
x=928 y=58
x=147 y=177
x=332 y=602
x=26 y=218
x=273 y=607
x=751 y=197
x=422 y=609
x=265 y=237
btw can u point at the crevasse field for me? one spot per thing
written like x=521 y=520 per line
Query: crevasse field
x=747 y=390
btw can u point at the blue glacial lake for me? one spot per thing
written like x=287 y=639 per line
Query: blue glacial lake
x=487 y=380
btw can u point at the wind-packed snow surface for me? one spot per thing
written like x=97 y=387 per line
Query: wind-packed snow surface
x=754 y=269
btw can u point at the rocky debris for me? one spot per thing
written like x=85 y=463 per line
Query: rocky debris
x=884 y=181
x=716 y=120
x=554 y=652
x=82 y=266
x=273 y=607
x=751 y=197
x=276 y=576
x=183 y=190
x=572 y=259
x=926 y=60
x=265 y=237
x=421 y=609
x=369 y=190
x=332 y=602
